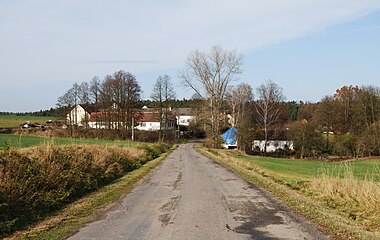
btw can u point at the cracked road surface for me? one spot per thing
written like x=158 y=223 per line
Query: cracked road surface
x=191 y=197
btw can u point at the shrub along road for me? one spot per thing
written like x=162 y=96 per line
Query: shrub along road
x=191 y=197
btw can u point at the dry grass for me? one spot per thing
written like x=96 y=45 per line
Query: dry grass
x=39 y=180
x=306 y=201
x=358 y=200
x=93 y=206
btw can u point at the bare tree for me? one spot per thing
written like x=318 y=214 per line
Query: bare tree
x=267 y=107
x=84 y=99
x=209 y=75
x=344 y=101
x=120 y=95
x=367 y=111
x=326 y=118
x=84 y=93
x=133 y=99
x=163 y=93
x=69 y=100
x=95 y=95
x=95 y=87
x=106 y=102
x=239 y=98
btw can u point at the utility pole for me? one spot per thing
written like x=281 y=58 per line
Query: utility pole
x=133 y=128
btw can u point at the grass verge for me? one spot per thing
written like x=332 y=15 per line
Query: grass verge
x=330 y=220
x=68 y=220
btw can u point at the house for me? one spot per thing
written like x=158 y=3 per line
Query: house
x=103 y=120
x=77 y=116
x=95 y=118
x=149 y=120
x=183 y=116
x=272 y=145
x=227 y=119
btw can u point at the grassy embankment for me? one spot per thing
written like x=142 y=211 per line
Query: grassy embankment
x=344 y=198
x=13 y=121
x=38 y=181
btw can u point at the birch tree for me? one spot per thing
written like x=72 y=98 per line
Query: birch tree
x=267 y=107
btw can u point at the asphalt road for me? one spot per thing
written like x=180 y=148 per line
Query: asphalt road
x=190 y=197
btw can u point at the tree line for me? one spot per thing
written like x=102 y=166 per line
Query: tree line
x=349 y=121
x=117 y=96
x=117 y=101
x=345 y=123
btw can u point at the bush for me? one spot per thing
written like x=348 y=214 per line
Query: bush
x=38 y=180
x=153 y=151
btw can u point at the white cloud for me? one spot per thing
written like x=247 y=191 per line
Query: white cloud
x=164 y=30
x=45 y=36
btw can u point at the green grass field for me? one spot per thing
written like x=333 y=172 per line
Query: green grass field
x=9 y=140
x=12 y=121
x=301 y=170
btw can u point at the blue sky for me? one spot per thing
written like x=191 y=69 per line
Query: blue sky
x=309 y=48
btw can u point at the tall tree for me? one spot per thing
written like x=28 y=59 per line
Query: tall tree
x=325 y=116
x=292 y=109
x=367 y=107
x=209 y=75
x=107 y=102
x=367 y=111
x=345 y=98
x=95 y=95
x=163 y=93
x=120 y=95
x=84 y=93
x=307 y=140
x=84 y=98
x=114 y=96
x=69 y=100
x=239 y=97
x=267 y=107
x=133 y=99
x=95 y=88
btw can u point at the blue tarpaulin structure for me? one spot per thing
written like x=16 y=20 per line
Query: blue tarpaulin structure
x=229 y=137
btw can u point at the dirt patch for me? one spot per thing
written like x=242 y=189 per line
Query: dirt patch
x=179 y=178
x=171 y=205
x=164 y=219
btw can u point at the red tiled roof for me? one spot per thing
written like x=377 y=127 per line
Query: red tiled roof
x=149 y=117
x=143 y=116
